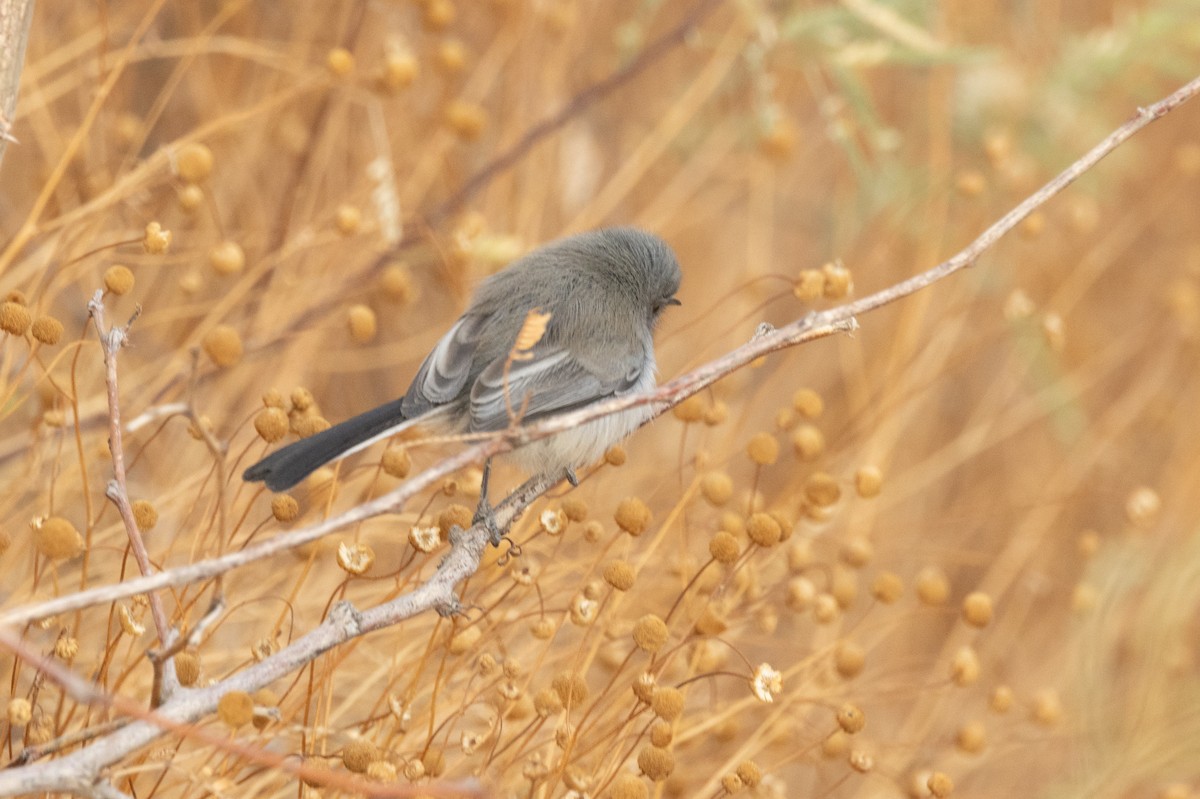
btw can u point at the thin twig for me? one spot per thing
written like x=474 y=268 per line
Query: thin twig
x=111 y=342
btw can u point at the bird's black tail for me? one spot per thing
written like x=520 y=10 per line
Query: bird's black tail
x=283 y=469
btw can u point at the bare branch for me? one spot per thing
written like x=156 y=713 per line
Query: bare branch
x=111 y=342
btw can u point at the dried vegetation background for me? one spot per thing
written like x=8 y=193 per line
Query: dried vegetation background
x=973 y=524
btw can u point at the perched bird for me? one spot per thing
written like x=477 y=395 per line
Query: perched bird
x=603 y=292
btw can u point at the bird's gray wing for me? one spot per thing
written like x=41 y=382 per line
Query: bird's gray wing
x=550 y=382
x=443 y=376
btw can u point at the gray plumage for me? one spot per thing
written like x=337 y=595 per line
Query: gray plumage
x=604 y=290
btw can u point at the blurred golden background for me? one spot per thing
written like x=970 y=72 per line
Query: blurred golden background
x=986 y=496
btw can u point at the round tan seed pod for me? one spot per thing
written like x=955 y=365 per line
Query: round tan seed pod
x=308 y=426
x=575 y=509
x=145 y=515
x=227 y=258
x=809 y=286
x=347 y=219
x=223 y=345
x=843 y=586
x=632 y=516
x=397 y=285
x=467 y=120
x=868 y=481
x=57 y=539
x=194 y=162
x=710 y=622
x=717 y=488
x=627 y=786
x=340 y=62
x=1047 y=707
x=362 y=323
x=887 y=587
x=542 y=629
x=190 y=197
x=14 y=318
x=547 y=703
x=397 y=462
x=977 y=609
x=355 y=559
x=849 y=659
x=47 y=330
x=620 y=575
x=763 y=449
x=400 y=69
x=749 y=773
x=764 y=530
x=808 y=442
x=838 y=281
x=452 y=56
x=381 y=771
x=302 y=399
x=808 y=403
x=690 y=410
x=971 y=737
x=459 y=516
x=940 y=785
x=965 y=666
x=572 y=689
x=667 y=703
x=856 y=552
x=155 y=240
x=66 y=648
x=235 y=709
x=801 y=593
x=187 y=668
x=851 y=718
x=643 y=687
x=20 y=711
x=650 y=633
x=822 y=490
x=118 y=279
x=932 y=585
x=826 y=608
x=438 y=14
x=464 y=641
x=656 y=763
x=1142 y=507
x=284 y=508
x=661 y=734
x=271 y=424
x=836 y=745
x=615 y=456
x=1001 y=699
x=716 y=414
x=358 y=754
x=724 y=547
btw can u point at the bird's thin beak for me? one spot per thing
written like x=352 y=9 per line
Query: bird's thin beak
x=674 y=301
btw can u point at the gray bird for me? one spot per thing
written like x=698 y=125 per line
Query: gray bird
x=604 y=290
